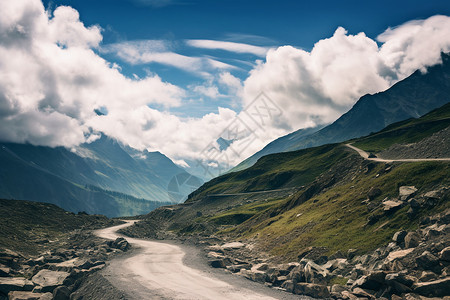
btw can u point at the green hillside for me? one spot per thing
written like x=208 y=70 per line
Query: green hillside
x=313 y=197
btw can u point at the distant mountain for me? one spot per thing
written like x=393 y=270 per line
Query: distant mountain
x=410 y=98
x=102 y=177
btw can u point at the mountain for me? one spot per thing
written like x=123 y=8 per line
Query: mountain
x=102 y=177
x=321 y=200
x=410 y=98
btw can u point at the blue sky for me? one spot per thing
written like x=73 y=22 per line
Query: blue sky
x=260 y=23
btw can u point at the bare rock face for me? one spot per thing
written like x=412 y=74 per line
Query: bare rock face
x=412 y=239
x=8 y=284
x=49 y=280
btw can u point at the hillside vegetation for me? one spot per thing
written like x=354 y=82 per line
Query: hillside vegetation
x=326 y=197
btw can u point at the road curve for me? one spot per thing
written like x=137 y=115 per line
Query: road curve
x=365 y=155
x=156 y=271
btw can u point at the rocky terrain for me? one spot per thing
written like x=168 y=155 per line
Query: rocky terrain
x=435 y=146
x=47 y=253
x=415 y=264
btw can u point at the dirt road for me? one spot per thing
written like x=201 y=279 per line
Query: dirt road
x=158 y=270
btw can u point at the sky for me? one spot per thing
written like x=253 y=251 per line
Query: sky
x=174 y=76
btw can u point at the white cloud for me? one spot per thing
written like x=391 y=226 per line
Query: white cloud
x=228 y=46
x=318 y=86
x=160 y=51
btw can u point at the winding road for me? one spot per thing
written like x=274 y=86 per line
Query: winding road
x=158 y=270
x=365 y=155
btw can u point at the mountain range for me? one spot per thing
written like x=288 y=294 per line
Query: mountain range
x=102 y=177
x=410 y=98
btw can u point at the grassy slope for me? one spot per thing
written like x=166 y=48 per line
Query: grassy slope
x=408 y=131
x=328 y=212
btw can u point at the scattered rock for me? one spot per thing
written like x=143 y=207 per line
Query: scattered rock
x=406 y=192
x=399 y=254
x=391 y=206
x=61 y=293
x=412 y=239
x=399 y=237
x=49 y=280
x=312 y=290
x=233 y=246
x=445 y=254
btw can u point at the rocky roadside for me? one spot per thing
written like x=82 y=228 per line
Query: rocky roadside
x=414 y=265
x=57 y=273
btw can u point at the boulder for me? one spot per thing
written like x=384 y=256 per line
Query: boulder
x=390 y=206
x=406 y=192
x=49 y=280
x=428 y=276
x=444 y=255
x=412 y=240
x=233 y=246
x=436 y=288
x=399 y=237
x=5 y=271
x=314 y=273
x=61 y=293
x=373 y=193
x=399 y=254
x=373 y=281
x=120 y=243
x=288 y=286
x=312 y=290
x=8 y=284
x=427 y=261
x=19 y=295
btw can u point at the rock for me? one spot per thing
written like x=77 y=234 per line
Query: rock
x=433 y=195
x=19 y=295
x=373 y=193
x=414 y=203
x=288 y=286
x=399 y=237
x=5 y=271
x=445 y=254
x=61 y=293
x=314 y=273
x=401 y=277
x=217 y=263
x=427 y=276
x=312 y=290
x=351 y=253
x=8 y=284
x=297 y=274
x=121 y=244
x=412 y=240
x=406 y=192
x=391 y=206
x=233 y=246
x=436 y=288
x=360 y=293
x=49 y=280
x=373 y=281
x=399 y=254
x=427 y=261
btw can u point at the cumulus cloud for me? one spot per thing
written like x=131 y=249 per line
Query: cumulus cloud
x=316 y=87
